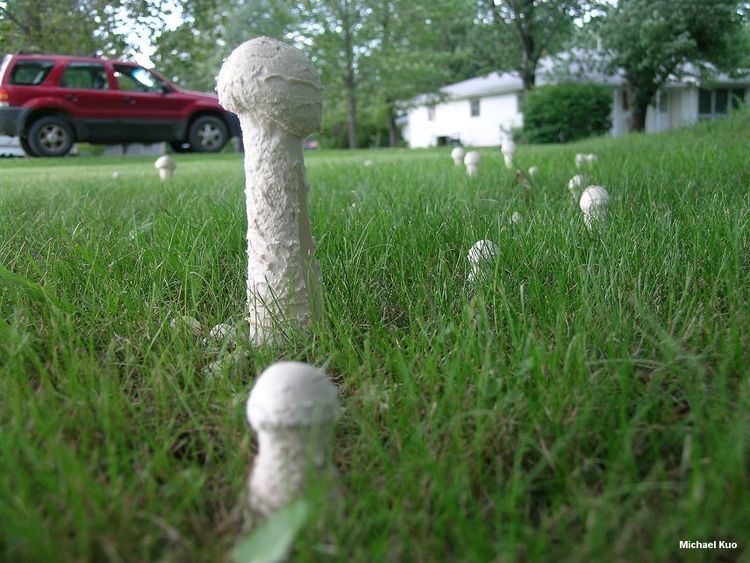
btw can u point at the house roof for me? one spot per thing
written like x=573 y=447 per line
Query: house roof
x=576 y=65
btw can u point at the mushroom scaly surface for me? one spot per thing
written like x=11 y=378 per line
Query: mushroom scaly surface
x=276 y=92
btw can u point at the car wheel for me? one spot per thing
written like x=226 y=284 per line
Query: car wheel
x=179 y=147
x=208 y=134
x=51 y=136
x=26 y=146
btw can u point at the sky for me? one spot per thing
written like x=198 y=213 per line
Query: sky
x=138 y=36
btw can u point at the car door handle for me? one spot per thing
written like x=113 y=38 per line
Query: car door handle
x=128 y=100
x=71 y=97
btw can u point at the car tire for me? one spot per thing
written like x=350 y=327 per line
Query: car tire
x=208 y=134
x=51 y=135
x=24 y=141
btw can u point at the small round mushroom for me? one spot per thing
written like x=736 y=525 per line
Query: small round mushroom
x=594 y=204
x=533 y=171
x=457 y=154
x=276 y=92
x=115 y=175
x=480 y=256
x=516 y=218
x=166 y=167
x=292 y=408
x=472 y=160
x=368 y=163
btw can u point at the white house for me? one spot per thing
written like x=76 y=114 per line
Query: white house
x=482 y=111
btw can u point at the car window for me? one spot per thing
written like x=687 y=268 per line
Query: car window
x=87 y=76
x=30 y=73
x=136 y=78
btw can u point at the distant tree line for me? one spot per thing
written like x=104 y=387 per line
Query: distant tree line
x=375 y=54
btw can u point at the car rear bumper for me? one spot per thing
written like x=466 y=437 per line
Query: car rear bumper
x=10 y=121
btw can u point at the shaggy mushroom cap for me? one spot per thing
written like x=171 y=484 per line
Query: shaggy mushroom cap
x=508 y=148
x=164 y=162
x=271 y=80
x=458 y=153
x=576 y=182
x=472 y=158
x=593 y=196
x=292 y=394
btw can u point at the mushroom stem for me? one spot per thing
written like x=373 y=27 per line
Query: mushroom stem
x=285 y=457
x=282 y=275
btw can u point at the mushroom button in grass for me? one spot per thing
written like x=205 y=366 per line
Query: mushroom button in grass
x=457 y=154
x=166 y=167
x=472 y=160
x=594 y=204
x=481 y=255
x=276 y=92
x=292 y=408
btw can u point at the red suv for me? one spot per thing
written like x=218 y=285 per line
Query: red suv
x=52 y=101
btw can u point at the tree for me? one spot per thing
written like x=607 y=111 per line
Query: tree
x=529 y=29
x=652 y=40
x=71 y=27
x=337 y=33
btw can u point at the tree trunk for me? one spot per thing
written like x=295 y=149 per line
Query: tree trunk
x=393 y=132
x=639 y=100
x=349 y=80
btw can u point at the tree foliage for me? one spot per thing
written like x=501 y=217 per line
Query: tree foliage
x=652 y=40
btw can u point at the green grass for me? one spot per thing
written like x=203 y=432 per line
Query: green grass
x=589 y=400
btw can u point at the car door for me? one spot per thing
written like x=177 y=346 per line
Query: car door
x=86 y=88
x=148 y=111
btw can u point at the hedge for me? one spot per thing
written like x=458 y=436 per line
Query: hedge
x=566 y=112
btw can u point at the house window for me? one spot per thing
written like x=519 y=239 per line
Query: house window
x=430 y=113
x=717 y=102
x=474 y=107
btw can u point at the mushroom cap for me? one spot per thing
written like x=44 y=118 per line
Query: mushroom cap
x=508 y=148
x=269 y=79
x=593 y=196
x=291 y=394
x=472 y=157
x=482 y=251
x=533 y=170
x=458 y=153
x=165 y=162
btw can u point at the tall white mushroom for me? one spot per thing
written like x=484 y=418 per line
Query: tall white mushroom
x=457 y=154
x=166 y=167
x=480 y=257
x=276 y=92
x=472 y=160
x=292 y=408
x=594 y=204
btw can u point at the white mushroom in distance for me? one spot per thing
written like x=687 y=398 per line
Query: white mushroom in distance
x=533 y=171
x=166 y=167
x=516 y=218
x=509 y=152
x=585 y=158
x=575 y=185
x=481 y=255
x=292 y=408
x=594 y=204
x=457 y=154
x=276 y=92
x=472 y=160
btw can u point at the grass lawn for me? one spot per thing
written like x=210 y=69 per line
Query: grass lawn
x=588 y=400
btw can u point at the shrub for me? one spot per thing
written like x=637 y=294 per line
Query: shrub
x=566 y=112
